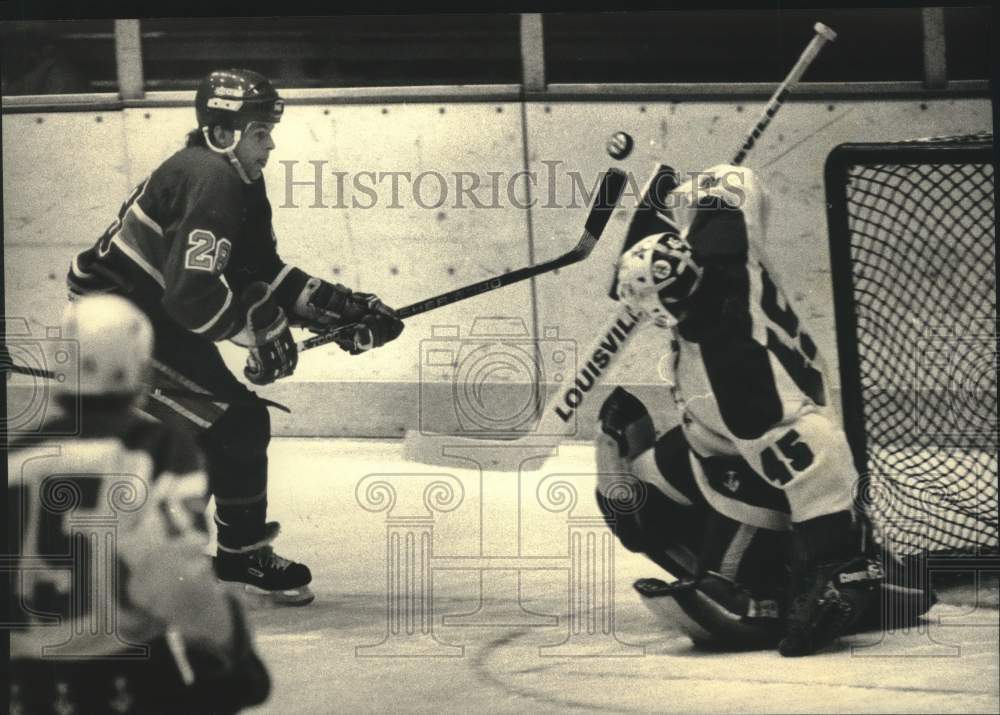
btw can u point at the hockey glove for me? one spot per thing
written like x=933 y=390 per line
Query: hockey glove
x=273 y=354
x=322 y=306
x=372 y=331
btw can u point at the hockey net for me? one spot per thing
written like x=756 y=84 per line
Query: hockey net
x=913 y=251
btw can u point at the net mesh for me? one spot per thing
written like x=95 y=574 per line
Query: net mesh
x=923 y=262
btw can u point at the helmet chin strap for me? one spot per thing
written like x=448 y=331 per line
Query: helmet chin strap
x=229 y=152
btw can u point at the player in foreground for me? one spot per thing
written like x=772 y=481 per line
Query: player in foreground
x=112 y=603
x=758 y=479
x=193 y=246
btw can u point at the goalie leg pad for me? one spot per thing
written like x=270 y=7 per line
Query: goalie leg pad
x=667 y=533
x=733 y=602
x=756 y=559
x=713 y=611
x=662 y=514
x=906 y=591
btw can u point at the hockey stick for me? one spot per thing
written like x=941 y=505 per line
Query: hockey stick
x=608 y=192
x=823 y=35
x=34 y=372
x=557 y=418
x=569 y=400
x=208 y=397
x=156 y=391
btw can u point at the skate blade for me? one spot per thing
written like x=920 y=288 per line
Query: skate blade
x=256 y=598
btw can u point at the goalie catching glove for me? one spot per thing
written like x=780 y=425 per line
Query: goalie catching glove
x=365 y=322
x=273 y=354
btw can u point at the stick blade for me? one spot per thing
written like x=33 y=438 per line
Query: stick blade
x=610 y=190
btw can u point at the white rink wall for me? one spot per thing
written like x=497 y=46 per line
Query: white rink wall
x=65 y=174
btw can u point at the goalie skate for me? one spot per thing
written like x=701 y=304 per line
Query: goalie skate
x=831 y=602
x=263 y=577
x=712 y=611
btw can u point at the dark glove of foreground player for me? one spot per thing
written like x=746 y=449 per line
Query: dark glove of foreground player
x=273 y=353
x=361 y=320
x=372 y=331
x=322 y=306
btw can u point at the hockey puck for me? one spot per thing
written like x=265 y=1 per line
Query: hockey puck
x=620 y=145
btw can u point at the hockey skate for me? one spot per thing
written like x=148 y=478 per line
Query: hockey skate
x=264 y=577
x=713 y=611
x=829 y=601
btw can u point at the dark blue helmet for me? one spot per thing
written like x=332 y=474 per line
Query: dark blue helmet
x=235 y=98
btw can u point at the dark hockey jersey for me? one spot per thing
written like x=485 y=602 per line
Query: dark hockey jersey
x=189 y=239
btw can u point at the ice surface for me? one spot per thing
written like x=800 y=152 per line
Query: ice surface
x=513 y=624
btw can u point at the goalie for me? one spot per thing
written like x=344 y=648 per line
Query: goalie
x=758 y=479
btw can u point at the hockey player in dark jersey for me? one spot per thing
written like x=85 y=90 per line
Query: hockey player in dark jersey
x=194 y=248
x=758 y=479
x=112 y=603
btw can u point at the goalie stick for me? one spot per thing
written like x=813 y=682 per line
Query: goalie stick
x=557 y=418
x=608 y=192
x=569 y=400
x=823 y=35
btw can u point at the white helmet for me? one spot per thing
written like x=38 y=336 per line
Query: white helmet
x=657 y=273
x=115 y=342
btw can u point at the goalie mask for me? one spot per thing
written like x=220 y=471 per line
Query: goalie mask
x=656 y=275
